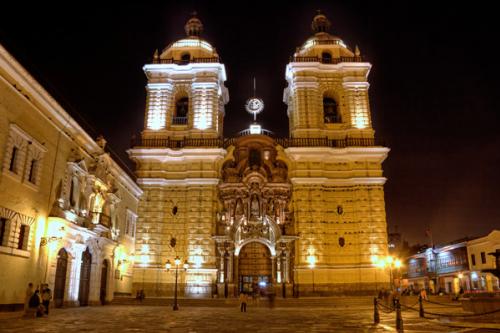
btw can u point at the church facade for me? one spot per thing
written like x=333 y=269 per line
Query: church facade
x=304 y=214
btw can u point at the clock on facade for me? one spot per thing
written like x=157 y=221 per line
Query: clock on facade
x=254 y=105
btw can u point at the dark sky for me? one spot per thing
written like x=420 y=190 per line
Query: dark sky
x=434 y=88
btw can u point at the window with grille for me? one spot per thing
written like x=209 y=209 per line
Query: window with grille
x=23 y=238
x=24 y=157
x=13 y=160
x=3 y=231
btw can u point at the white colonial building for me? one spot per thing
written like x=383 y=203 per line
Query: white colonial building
x=67 y=209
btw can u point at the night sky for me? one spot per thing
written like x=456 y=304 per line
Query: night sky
x=434 y=87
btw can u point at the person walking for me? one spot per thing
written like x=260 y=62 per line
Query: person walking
x=29 y=292
x=35 y=306
x=423 y=294
x=46 y=297
x=243 y=302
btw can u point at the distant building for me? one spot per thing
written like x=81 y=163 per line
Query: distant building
x=67 y=210
x=439 y=269
x=468 y=264
x=484 y=262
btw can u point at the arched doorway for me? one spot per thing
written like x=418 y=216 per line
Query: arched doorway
x=60 y=283
x=83 y=295
x=254 y=267
x=104 y=282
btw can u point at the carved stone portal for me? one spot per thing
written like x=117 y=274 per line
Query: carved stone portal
x=255 y=194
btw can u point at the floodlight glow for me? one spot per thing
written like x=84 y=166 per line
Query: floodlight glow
x=311 y=260
x=255 y=129
x=193 y=43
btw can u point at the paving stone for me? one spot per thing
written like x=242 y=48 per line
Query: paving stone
x=137 y=318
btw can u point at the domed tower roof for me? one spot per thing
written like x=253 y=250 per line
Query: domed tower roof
x=322 y=41
x=192 y=48
x=193 y=26
x=320 y=23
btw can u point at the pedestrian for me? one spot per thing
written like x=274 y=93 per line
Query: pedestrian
x=35 y=305
x=243 y=302
x=46 y=297
x=423 y=294
x=29 y=292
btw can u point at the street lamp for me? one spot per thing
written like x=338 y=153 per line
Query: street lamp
x=168 y=266
x=389 y=262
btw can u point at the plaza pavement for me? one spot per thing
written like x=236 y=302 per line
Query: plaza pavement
x=345 y=317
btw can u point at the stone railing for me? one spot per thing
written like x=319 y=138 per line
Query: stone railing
x=179 y=120
x=185 y=62
x=327 y=60
x=176 y=143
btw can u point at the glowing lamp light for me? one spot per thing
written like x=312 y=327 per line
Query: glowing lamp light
x=381 y=263
x=397 y=263
x=389 y=260
x=197 y=261
x=144 y=259
x=311 y=260
x=460 y=276
x=145 y=248
x=262 y=284
x=255 y=129
x=185 y=265
x=374 y=259
x=168 y=265
x=177 y=261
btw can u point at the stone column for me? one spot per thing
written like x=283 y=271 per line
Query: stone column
x=230 y=258
x=235 y=271
x=273 y=266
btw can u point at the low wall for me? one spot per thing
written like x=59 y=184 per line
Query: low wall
x=480 y=304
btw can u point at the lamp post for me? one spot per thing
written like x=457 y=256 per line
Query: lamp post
x=168 y=265
x=387 y=262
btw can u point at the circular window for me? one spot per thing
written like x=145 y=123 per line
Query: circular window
x=341 y=241
x=174 y=210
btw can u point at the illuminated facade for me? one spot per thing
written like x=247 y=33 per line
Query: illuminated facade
x=67 y=210
x=305 y=213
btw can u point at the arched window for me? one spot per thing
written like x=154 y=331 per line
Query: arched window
x=326 y=57
x=181 y=111
x=330 y=111
x=185 y=57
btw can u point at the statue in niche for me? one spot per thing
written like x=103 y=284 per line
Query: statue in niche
x=239 y=208
x=254 y=206
x=270 y=208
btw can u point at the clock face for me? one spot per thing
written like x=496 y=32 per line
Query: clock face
x=254 y=105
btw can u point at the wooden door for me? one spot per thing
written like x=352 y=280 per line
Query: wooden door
x=83 y=295
x=60 y=283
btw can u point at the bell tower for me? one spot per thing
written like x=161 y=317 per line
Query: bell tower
x=185 y=91
x=335 y=169
x=177 y=166
x=327 y=93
